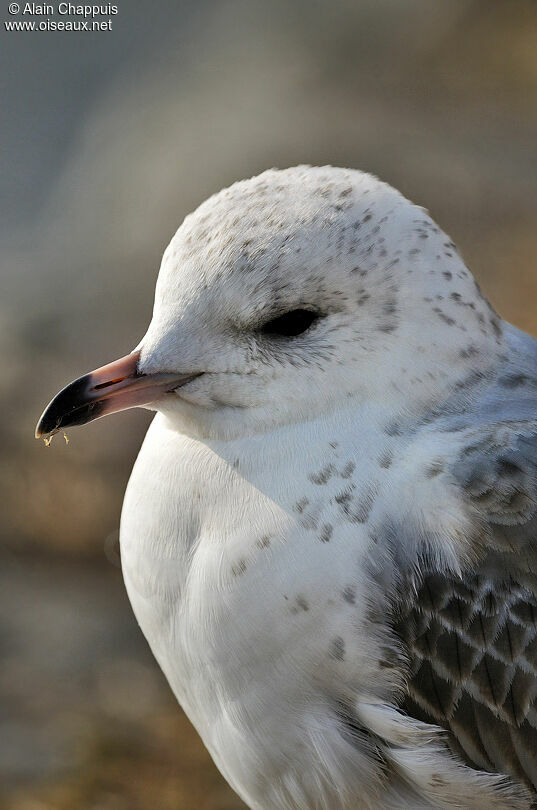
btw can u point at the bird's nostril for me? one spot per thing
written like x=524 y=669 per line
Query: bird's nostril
x=108 y=383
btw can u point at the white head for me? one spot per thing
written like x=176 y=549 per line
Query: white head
x=373 y=299
x=387 y=306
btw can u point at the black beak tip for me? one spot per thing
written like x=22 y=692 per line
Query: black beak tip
x=70 y=407
x=52 y=419
x=42 y=427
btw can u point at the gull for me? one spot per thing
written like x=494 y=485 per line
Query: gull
x=329 y=537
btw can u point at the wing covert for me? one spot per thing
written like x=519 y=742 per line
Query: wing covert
x=472 y=641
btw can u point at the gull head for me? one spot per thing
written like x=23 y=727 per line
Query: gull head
x=290 y=295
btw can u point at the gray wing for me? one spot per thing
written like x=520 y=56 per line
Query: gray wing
x=472 y=642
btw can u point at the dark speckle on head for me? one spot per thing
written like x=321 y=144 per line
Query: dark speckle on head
x=323 y=476
x=300 y=505
x=468 y=351
x=239 y=567
x=300 y=605
x=337 y=648
x=385 y=459
x=393 y=429
x=349 y=594
x=357 y=506
x=435 y=468
x=387 y=328
x=471 y=380
x=443 y=317
x=344 y=499
x=326 y=532
x=348 y=469
x=263 y=542
x=309 y=522
x=516 y=381
x=496 y=326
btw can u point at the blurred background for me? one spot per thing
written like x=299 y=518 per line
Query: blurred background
x=108 y=140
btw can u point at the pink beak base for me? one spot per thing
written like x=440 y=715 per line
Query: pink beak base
x=111 y=388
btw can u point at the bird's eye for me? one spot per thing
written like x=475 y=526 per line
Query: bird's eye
x=291 y=324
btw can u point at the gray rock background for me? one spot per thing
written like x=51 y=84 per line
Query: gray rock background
x=108 y=140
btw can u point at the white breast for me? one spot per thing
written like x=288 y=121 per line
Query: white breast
x=246 y=566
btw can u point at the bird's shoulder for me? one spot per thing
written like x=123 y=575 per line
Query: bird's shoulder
x=471 y=634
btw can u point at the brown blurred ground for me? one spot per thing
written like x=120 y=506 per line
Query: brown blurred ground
x=110 y=141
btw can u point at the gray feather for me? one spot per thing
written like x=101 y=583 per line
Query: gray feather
x=472 y=641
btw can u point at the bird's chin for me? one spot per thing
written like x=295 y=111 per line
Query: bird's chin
x=198 y=416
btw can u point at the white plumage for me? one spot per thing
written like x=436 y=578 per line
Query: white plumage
x=303 y=511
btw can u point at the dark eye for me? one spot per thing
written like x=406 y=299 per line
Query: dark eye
x=291 y=324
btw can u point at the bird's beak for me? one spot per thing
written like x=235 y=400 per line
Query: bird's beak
x=115 y=387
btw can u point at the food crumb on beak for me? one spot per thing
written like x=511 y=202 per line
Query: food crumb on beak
x=47 y=440
x=66 y=437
